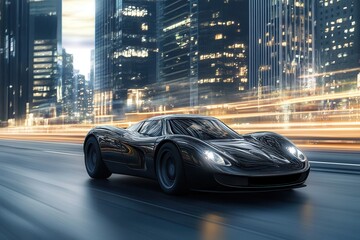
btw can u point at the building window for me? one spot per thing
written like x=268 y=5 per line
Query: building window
x=144 y=27
x=218 y=36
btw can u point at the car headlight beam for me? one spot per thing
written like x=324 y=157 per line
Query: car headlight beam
x=297 y=153
x=215 y=158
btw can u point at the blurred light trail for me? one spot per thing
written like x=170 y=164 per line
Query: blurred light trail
x=331 y=73
x=306 y=119
x=330 y=137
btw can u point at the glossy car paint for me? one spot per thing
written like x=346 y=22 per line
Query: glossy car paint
x=257 y=161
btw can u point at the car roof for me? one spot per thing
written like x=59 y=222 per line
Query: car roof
x=182 y=116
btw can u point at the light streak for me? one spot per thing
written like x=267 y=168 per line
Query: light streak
x=335 y=163
x=64 y=153
x=330 y=136
x=330 y=73
x=310 y=123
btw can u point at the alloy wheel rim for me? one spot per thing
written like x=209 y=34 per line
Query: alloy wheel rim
x=167 y=170
x=91 y=158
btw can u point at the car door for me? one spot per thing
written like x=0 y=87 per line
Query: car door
x=113 y=148
x=145 y=141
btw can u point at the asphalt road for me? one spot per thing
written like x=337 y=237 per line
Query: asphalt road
x=45 y=193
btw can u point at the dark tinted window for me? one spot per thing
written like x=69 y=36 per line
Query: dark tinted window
x=203 y=129
x=151 y=128
x=134 y=127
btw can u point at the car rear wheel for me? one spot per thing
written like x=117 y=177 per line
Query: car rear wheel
x=94 y=164
x=169 y=170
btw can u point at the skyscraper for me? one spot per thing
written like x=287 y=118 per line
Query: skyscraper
x=92 y=67
x=203 y=50
x=80 y=96
x=281 y=45
x=45 y=61
x=103 y=61
x=89 y=98
x=223 y=41
x=338 y=45
x=90 y=86
x=14 y=60
x=176 y=44
x=30 y=42
x=125 y=51
x=3 y=83
x=68 y=92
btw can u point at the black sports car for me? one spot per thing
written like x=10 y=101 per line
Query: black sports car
x=195 y=152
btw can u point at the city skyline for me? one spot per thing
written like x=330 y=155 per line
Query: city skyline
x=154 y=56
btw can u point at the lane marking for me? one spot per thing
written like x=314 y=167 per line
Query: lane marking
x=335 y=163
x=44 y=151
x=60 y=143
x=39 y=141
x=64 y=153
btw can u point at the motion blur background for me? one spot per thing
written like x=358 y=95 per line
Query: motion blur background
x=288 y=66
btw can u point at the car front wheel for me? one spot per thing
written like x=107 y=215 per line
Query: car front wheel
x=169 y=170
x=94 y=164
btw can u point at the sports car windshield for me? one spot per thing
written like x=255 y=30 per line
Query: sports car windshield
x=203 y=129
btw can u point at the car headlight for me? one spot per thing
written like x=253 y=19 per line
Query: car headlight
x=297 y=153
x=215 y=158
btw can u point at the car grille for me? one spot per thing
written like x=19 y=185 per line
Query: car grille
x=264 y=181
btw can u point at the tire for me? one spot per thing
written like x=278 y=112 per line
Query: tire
x=169 y=170
x=94 y=164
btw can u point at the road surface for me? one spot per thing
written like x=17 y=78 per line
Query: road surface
x=45 y=193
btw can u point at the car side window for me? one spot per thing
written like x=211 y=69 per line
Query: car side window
x=151 y=128
x=135 y=126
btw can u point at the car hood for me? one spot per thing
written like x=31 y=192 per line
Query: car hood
x=253 y=154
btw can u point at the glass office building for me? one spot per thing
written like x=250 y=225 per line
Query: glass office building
x=68 y=91
x=125 y=53
x=281 y=46
x=14 y=61
x=30 y=60
x=338 y=45
x=203 y=50
x=45 y=51
x=223 y=40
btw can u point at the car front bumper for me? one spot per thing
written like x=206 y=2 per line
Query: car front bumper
x=199 y=179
